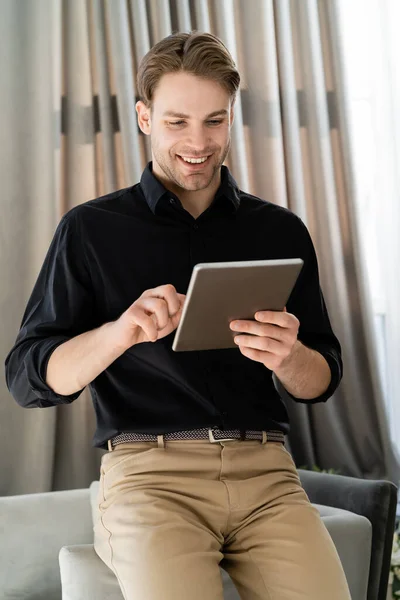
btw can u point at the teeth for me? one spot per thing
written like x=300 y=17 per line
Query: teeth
x=195 y=160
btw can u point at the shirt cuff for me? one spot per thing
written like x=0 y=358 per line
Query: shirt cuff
x=336 y=376
x=36 y=362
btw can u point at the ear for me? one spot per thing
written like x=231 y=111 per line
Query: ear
x=144 y=117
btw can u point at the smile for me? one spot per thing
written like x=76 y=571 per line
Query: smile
x=193 y=162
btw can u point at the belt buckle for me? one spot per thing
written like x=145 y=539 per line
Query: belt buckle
x=214 y=441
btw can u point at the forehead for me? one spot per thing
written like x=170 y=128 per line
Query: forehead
x=186 y=93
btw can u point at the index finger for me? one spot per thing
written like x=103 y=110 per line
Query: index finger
x=275 y=317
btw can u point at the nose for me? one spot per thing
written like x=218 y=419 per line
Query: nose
x=198 y=138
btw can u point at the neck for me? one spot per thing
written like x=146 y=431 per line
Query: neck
x=194 y=202
x=197 y=202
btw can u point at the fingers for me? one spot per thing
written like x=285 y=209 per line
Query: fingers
x=261 y=329
x=157 y=309
x=279 y=318
x=261 y=343
x=169 y=294
x=144 y=315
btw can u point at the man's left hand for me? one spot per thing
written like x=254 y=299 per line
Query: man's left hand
x=271 y=339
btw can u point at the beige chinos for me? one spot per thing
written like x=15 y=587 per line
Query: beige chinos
x=171 y=513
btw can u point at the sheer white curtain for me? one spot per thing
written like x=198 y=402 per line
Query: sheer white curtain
x=372 y=47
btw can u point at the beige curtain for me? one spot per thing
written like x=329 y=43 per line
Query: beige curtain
x=67 y=116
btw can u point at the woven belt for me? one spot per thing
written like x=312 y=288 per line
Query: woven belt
x=214 y=435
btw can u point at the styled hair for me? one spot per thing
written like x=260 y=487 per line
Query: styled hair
x=198 y=53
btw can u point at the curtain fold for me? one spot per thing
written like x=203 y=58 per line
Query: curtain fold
x=74 y=458
x=202 y=16
x=72 y=135
x=266 y=162
x=160 y=20
x=102 y=85
x=290 y=115
x=30 y=175
x=184 y=18
x=224 y=15
x=121 y=54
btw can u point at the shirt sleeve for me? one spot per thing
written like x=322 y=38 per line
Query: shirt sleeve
x=308 y=305
x=60 y=307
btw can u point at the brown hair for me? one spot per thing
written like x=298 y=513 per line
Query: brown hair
x=201 y=54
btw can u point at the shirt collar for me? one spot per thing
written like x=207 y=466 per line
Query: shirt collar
x=154 y=191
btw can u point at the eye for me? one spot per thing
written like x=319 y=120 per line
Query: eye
x=214 y=122
x=176 y=122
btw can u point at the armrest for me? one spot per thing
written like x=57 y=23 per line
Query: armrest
x=374 y=499
x=34 y=527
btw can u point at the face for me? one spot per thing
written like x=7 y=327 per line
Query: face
x=190 y=118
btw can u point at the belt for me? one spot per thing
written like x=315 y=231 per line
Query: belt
x=214 y=435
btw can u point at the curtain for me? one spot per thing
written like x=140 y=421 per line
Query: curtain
x=70 y=134
x=373 y=88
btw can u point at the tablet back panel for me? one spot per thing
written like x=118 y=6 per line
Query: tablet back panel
x=222 y=292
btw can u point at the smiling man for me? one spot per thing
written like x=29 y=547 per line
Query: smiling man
x=196 y=474
x=189 y=146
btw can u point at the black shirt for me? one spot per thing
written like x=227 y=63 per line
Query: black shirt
x=106 y=252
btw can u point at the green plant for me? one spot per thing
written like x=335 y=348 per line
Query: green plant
x=394 y=574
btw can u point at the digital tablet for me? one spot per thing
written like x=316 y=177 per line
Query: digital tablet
x=219 y=293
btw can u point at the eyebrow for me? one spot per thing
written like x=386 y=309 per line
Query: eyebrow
x=171 y=113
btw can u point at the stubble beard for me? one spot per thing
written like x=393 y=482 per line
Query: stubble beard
x=193 y=182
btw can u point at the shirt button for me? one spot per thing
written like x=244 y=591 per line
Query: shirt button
x=172 y=201
x=195 y=226
x=224 y=413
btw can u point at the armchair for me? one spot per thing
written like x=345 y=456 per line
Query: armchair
x=374 y=499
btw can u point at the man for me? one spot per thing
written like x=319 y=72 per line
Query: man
x=197 y=474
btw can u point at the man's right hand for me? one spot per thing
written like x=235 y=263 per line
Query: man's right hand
x=78 y=361
x=151 y=317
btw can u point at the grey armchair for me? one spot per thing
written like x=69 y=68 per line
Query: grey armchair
x=374 y=499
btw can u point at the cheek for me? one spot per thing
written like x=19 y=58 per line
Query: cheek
x=223 y=137
x=164 y=138
x=168 y=140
